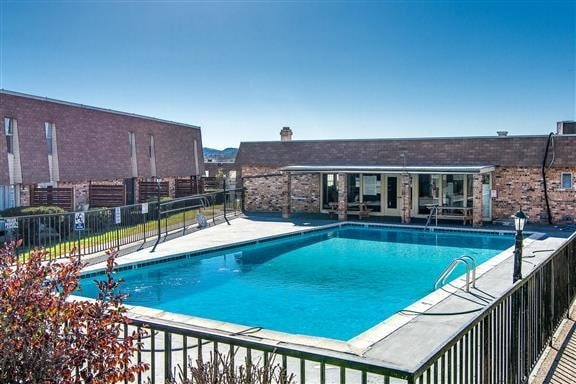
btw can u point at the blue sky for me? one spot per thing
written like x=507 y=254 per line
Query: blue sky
x=328 y=69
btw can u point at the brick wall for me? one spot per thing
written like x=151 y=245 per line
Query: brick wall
x=93 y=143
x=265 y=186
x=520 y=187
x=516 y=187
x=262 y=193
x=305 y=190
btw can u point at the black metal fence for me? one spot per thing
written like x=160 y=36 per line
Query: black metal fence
x=502 y=345
x=97 y=230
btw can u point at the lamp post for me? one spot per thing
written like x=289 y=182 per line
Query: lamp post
x=158 y=180
x=519 y=221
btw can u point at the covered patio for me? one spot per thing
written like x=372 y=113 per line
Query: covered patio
x=406 y=192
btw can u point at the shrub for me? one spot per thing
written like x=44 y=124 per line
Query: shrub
x=31 y=211
x=222 y=370
x=47 y=338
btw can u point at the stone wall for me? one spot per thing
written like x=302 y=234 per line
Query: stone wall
x=305 y=192
x=521 y=187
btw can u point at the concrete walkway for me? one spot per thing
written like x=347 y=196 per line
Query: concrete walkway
x=558 y=363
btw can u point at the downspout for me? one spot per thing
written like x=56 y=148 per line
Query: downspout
x=544 y=178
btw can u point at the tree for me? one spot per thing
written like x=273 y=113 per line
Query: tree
x=46 y=337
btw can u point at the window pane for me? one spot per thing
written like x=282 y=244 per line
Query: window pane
x=329 y=191
x=8 y=130
x=48 y=127
x=566 y=181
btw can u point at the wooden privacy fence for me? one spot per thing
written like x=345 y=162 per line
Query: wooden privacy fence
x=59 y=197
x=149 y=190
x=502 y=345
x=106 y=195
x=189 y=187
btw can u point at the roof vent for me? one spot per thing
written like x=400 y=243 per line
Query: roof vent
x=286 y=134
x=502 y=133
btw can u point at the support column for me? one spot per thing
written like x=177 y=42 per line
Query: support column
x=406 y=199
x=342 y=197
x=477 y=200
x=287 y=196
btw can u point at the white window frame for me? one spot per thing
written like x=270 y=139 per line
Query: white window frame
x=9 y=133
x=571 y=178
x=48 y=129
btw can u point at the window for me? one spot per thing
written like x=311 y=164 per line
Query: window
x=9 y=133
x=329 y=190
x=132 y=143
x=567 y=182
x=48 y=128
x=151 y=147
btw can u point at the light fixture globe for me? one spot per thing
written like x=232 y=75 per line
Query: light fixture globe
x=520 y=220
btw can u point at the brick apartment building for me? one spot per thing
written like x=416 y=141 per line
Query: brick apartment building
x=61 y=153
x=477 y=178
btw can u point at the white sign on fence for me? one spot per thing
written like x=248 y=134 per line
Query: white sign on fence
x=11 y=223
x=144 y=207
x=79 y=221
x=117 y=216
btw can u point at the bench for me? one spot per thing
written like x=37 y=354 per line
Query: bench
x=362 y=212
x=457 y=213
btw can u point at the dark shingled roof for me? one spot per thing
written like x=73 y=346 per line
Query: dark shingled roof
x=526 y=151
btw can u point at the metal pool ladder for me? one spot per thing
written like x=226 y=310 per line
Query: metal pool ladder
x=470 y=264
x=433 y=212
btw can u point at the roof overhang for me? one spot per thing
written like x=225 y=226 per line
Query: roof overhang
x=390 y=169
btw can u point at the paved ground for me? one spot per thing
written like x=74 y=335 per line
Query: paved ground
x=558 y=364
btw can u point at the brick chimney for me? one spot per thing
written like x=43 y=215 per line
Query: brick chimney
x=286 y=134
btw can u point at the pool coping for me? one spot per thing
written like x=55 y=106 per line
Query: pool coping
x=359 y=345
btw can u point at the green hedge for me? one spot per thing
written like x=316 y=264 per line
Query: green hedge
x=27 y=211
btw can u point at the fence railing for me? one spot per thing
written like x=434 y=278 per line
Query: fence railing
x=502 y=345
x=97 y=230
x=168 y=349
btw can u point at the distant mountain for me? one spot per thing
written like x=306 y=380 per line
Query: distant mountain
x=224 y=156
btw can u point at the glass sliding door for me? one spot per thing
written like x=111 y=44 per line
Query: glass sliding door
x=329 y=190
x=428 y=192
x=354 y=188
x=372 y=191
x=486 y=197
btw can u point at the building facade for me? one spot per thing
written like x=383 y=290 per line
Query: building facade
x=52 y=146
x=473 y=179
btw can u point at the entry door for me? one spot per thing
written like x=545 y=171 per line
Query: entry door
x=130 y=189
x=392 y=196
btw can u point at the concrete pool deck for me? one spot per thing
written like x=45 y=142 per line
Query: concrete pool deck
x=402 y=342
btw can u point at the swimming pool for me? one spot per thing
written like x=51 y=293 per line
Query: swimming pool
x=334 y=283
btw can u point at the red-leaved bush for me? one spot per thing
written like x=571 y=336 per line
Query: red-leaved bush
x=46 y=337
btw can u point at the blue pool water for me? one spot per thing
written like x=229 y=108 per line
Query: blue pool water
x=335 y=283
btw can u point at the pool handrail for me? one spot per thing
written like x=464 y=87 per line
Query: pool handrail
x=468 y=262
